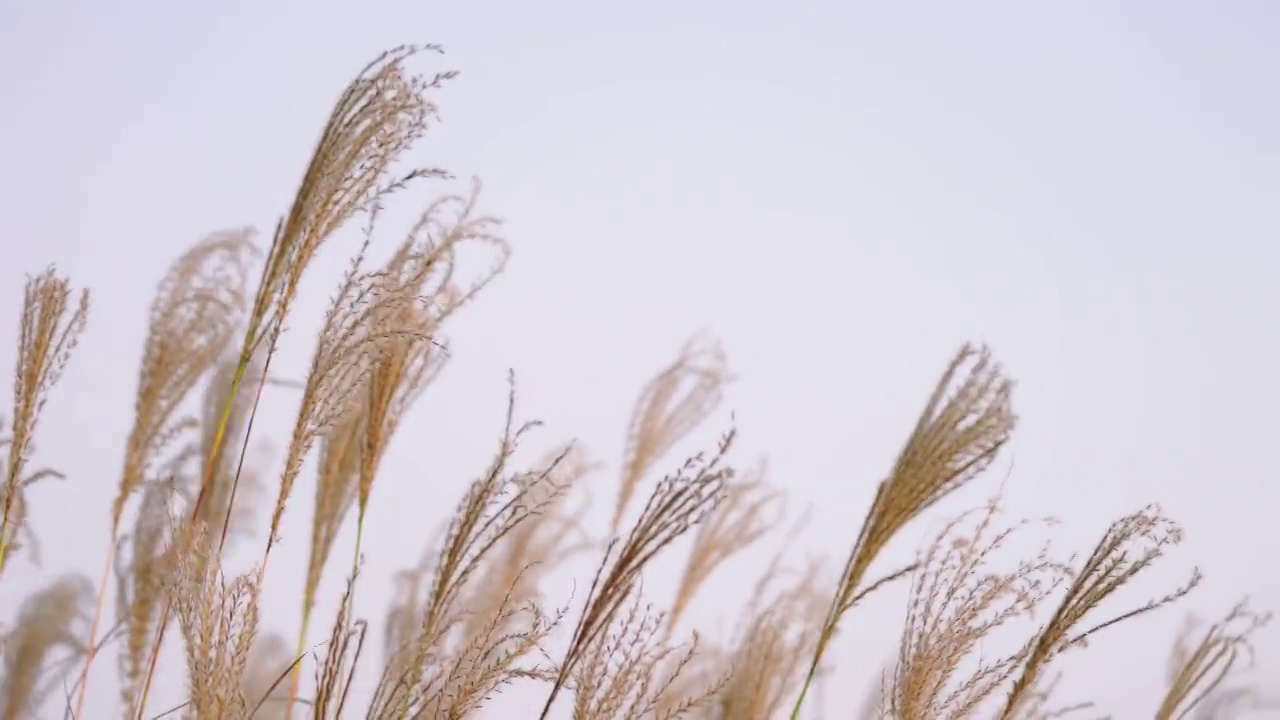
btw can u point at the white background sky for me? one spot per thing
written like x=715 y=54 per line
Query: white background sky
x=842 y=191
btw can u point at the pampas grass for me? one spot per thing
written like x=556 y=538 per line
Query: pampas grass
x=475 y=618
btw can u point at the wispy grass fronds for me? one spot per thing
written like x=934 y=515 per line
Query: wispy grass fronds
x=628 y=670
x=493 y=653
x=219 y=621
x=766 y=662
x=401 y=358
x=511 y=574
x=1201 y=663
x=675 y=401
x=340 y=365
x=194 y=317
x=678 y=503
x=427 y=671
x=335 y=675
x=375 y=121
x=1131 y=545
x=337 y=482
x=958 y=600
x=48 y=331
x=750 y=510
x=50 y=620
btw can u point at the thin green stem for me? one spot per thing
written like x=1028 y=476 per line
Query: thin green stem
x=296 y=679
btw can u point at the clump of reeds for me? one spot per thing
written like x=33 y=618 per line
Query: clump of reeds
x=477 y=617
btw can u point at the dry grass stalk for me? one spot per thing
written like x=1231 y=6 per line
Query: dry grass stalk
x=488 y=658
x=405 y=613
x=375 y=121
x=219 y=620
x=409 y=357
x=194 y=317
x=875 y=703
x=678 y=503
x=674 y=402
x=1197 y=671
x=957 y=601
x=742 y=519
x=628 y=672
x=955 y=439
x=363 y=360
x=356 y=324
x=335 y=674
x=337 y=479
x=1129 y=546
x=48 y=331
x=433 y=670
x=502 y=595
x=379 y=116
x=224 y=425
x=546 y=538
x=690 y=675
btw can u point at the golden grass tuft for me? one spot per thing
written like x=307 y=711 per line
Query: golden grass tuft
x=48 y=331
x=479 y=615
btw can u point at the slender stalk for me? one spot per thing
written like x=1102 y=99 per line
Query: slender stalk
x=97 y=619
x=4 y=529
x=850 y=578
x=809 y=677
x=244 y=451
x=295 y=682
x=295 y=679
x=355 y=558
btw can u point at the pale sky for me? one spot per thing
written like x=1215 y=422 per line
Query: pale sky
x=842 y=192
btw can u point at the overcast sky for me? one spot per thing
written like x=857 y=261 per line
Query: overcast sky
x=842 y=192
